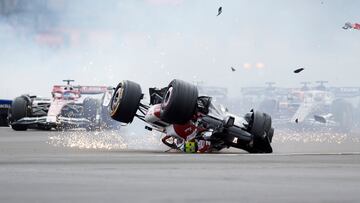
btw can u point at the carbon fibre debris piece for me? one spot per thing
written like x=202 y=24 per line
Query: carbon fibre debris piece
x=298 y=70
x=219 y=11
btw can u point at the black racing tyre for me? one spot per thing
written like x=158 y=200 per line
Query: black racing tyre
x=270 y=134
x=125 y=101
x=343 y=113
x=19 y=127
x=260 y=128
x=20 y=108
x=268 y=122
x=260 y=146
x=179 y=103
x=260 y=124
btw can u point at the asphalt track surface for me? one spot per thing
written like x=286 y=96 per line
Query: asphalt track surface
x=33 y=168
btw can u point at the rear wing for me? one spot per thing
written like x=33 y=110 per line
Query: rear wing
x=93 y=89
x=82 y=89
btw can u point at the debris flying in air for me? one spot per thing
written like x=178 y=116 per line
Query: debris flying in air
x=298 y=70
x=219 y=11
x=320 y=119
x=296 y=120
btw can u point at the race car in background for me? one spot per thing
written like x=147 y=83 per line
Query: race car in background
x=70 y=107
x=308 y=107
x=264 y=98
x=187 y=118
x=4 y=109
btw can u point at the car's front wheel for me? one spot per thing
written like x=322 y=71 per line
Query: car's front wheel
x=125 y=101
x=20 y=108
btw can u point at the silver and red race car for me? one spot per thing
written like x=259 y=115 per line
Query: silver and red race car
x=70 y=107
x=190 y=122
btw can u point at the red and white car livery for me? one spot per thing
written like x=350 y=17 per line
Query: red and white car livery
x=190 y=122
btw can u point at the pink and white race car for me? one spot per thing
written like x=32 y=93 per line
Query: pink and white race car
x=70 y=107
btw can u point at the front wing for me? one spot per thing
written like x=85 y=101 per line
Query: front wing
x=59 y=122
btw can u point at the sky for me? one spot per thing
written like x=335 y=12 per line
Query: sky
x=152 y=42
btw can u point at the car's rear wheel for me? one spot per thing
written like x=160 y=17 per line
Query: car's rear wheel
x=260 y=124
x=20 y=108
x=260 y=128
x=125 y=101
x=179 y=103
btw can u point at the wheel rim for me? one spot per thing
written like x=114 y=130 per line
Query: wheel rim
x=167 y=96
x=117 y=99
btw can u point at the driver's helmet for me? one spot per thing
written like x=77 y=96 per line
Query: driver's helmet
x=69 y=95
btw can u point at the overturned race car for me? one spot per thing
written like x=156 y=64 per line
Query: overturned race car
x=70 y=107
x=191 y=123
